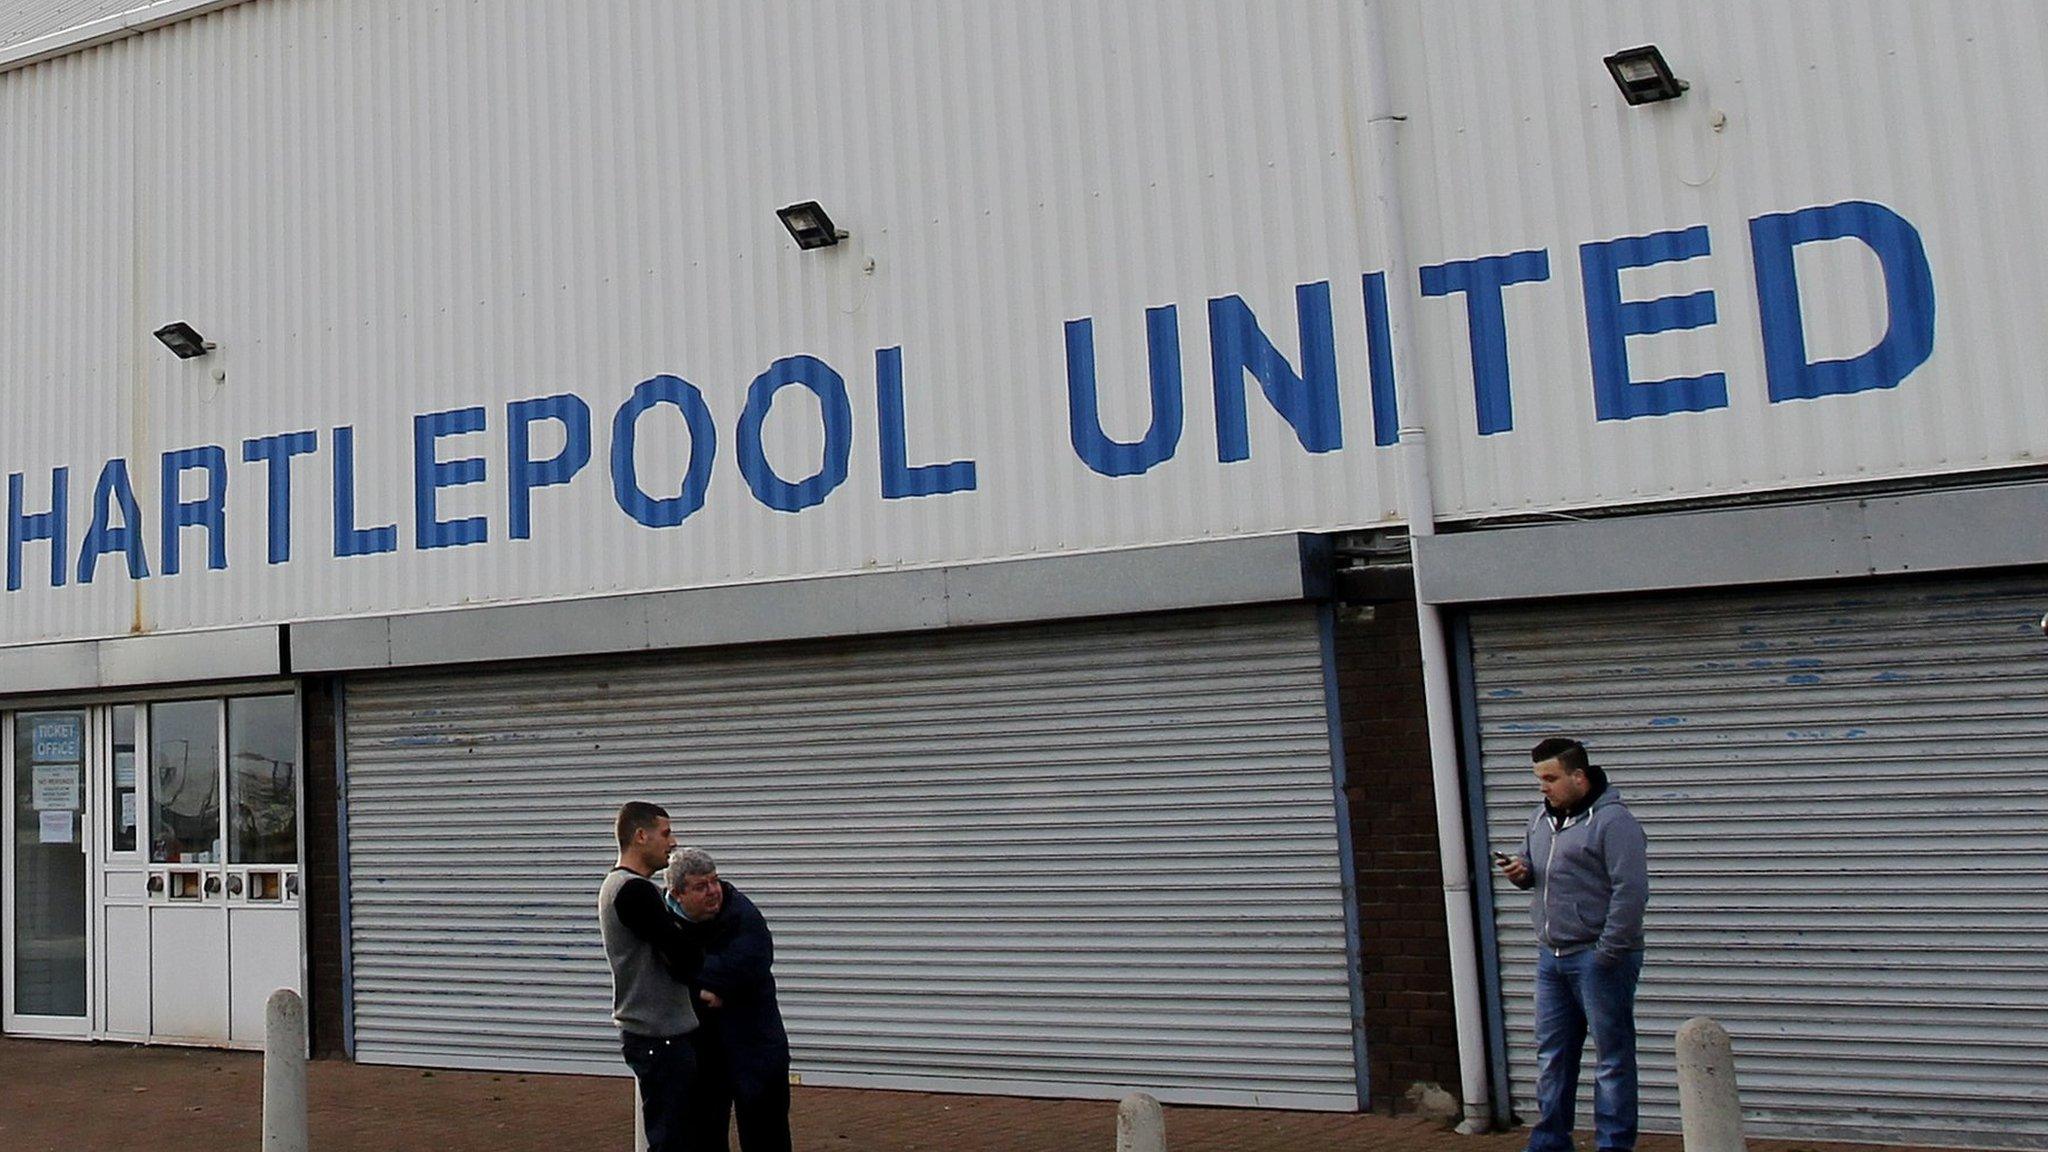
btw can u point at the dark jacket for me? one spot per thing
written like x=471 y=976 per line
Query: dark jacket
x=738 y=953
x=1590 y=870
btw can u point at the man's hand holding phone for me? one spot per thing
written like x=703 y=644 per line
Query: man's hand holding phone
x=1511 y=867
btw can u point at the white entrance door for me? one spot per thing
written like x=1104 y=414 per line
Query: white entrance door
x=186 y=965
x=151 y=868
x=214 y=928
x=120 y=796
x=265 y=933
x=47 y=888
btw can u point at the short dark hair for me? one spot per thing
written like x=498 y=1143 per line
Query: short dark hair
x=1569 y=753
x=636 y=816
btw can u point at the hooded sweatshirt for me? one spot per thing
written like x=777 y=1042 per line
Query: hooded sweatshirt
x=1589 y=865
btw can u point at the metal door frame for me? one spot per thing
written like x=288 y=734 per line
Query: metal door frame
x=97 y=709
x=103 y=805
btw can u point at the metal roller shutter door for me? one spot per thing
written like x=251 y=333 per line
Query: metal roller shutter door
x=1059 y=860
x=1846 y=794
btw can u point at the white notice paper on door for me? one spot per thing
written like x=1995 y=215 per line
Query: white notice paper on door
x=55 y=786
x=127 y=811
x=56 y=827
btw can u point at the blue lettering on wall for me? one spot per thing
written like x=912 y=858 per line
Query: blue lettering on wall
x=1379 y=356
x=523 y=472
x=1909 y=300
x=1308 y=401
x=113 y=492
x=898 y=478
x=1610 y=322
x=696 y=481
x=350 y=540
x=430 y=474
x=837 y=414
x=208 y=511
x=51 y=525
x=277 y=451
x=1481 y=280
x=1084 y=419
x=1306 y=393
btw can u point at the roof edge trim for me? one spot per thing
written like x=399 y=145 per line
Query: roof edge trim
x=106 y=30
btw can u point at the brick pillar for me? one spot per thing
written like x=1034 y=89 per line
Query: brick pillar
x=1411 y=1031
x=320 y=872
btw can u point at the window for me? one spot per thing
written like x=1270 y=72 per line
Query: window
x=263 y=780
x=184 y=795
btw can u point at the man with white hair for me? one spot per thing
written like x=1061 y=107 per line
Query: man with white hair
x=741 y=1043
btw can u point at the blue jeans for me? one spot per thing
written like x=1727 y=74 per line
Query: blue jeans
x=1577 y=993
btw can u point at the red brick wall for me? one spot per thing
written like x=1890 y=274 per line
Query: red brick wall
x=321 y=872
x=1410 y=1032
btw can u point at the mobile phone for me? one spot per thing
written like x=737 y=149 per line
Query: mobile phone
x=1501 y=859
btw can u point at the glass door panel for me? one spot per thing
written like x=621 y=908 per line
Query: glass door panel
x=50 y=891
x=184 y=796
x=263 y=780
x=121 y=809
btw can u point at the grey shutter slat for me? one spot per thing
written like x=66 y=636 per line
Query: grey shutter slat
x=1846 y=794
x=1069 y=860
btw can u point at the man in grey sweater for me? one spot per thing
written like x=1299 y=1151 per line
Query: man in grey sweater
x=1587 y=859
x=653 y=964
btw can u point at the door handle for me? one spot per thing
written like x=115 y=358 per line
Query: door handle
x=234 y=885
x=156 y=884
x=291 y=884
x=212 y=885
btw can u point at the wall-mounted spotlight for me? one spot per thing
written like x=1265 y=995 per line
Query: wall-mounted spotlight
x=809 y=226
x=184 y=340
x=1643 y=76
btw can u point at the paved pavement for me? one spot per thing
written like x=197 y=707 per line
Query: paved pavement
x=59 y=1097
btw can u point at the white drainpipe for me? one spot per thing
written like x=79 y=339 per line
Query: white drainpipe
x=1384 y=220
x=1463 y=936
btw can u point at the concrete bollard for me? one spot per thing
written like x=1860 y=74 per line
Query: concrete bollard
x=1709 y=1108
x=1140 y=1125
x=284 y=1072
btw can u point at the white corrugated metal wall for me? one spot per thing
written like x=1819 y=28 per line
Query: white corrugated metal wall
x=1070 y=860
x=382 y=208
x=1846 y=794
x=1522 y=142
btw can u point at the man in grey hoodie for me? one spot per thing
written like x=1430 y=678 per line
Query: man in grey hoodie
x=1586 y=857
